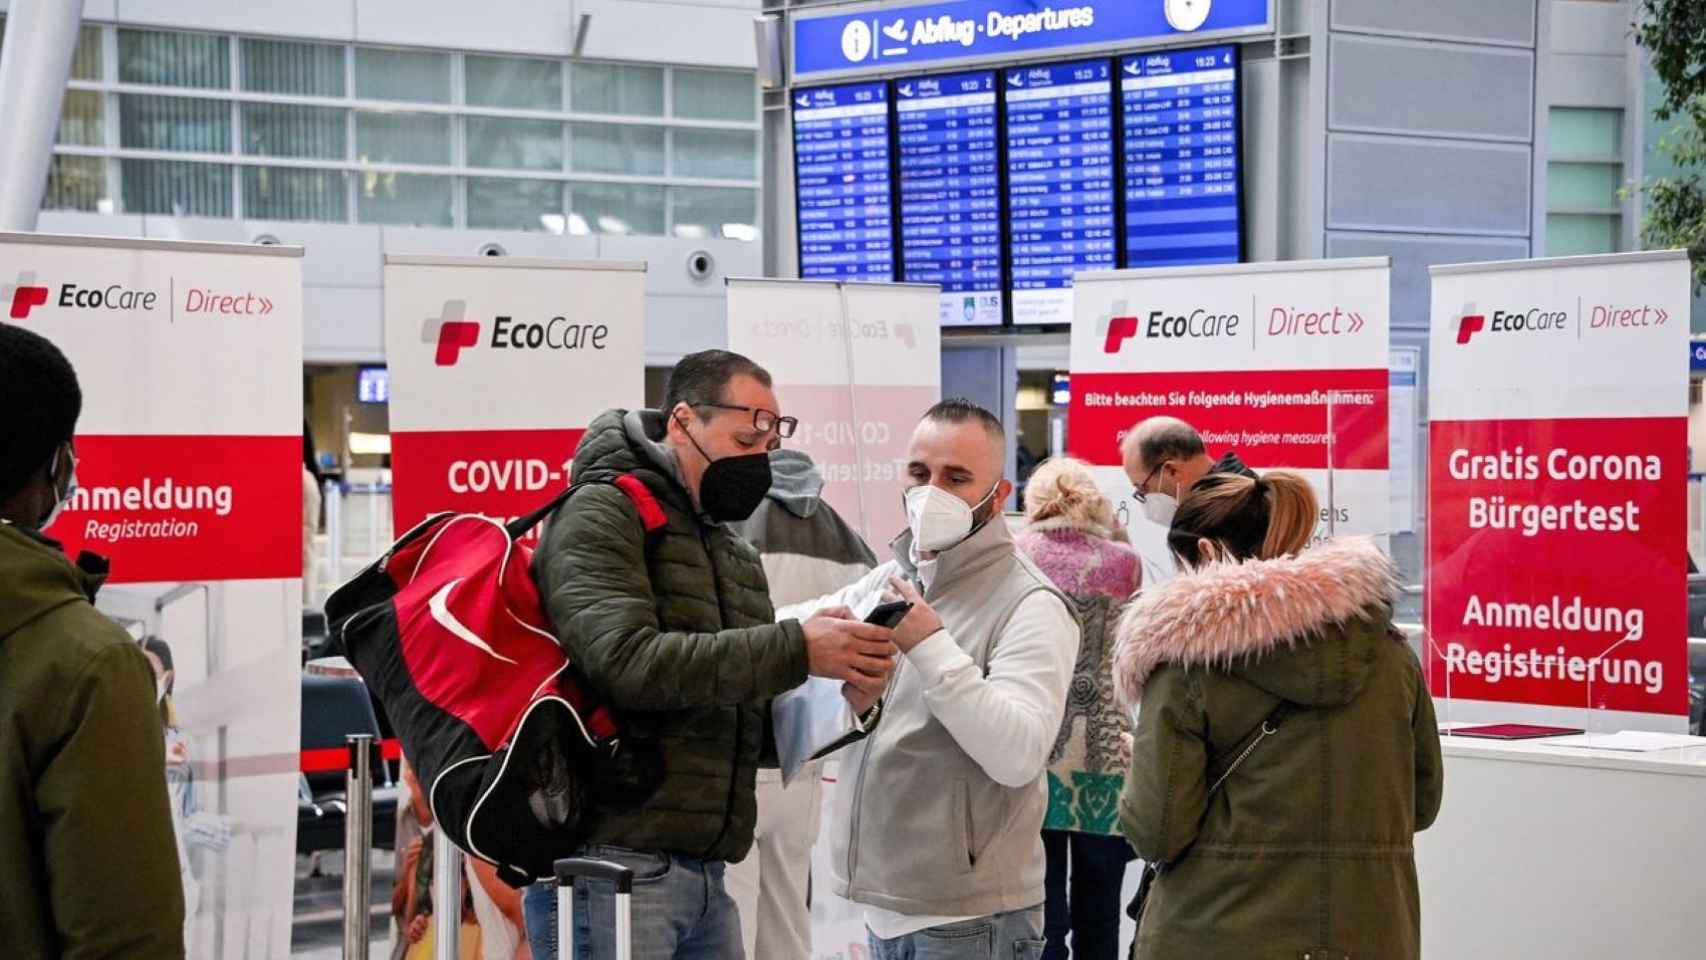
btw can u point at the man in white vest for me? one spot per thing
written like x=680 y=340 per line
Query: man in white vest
x=806 y=548
x=937 y=818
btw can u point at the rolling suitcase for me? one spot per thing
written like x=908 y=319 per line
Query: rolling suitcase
x=580 y=868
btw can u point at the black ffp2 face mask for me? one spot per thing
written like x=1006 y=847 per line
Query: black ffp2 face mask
x=732 y=487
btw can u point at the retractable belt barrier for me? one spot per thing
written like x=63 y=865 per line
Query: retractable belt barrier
x=331 y=759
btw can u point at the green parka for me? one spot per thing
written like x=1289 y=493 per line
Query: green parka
x=1307 y=850
x=88 y=862
x=676 y=633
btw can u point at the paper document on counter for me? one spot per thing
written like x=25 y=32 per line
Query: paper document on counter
x=1632 y=741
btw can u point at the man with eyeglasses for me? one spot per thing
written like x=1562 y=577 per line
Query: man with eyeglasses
x=1164 y=457
x=676 y=632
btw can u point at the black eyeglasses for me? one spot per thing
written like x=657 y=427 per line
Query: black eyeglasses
x=764 y=421
x=1138 y=492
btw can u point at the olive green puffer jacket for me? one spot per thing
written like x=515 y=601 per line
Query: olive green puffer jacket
x=1306 y=851
x=677 y=635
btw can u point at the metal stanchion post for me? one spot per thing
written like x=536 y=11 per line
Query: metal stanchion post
x=372 y=521
x=358 y=844
x=446 y=897
x=333 y=498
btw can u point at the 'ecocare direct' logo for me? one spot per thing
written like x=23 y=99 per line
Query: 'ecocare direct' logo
x=26 y=295
x=834 y=332
x=1472 y=321
x=1122 y=325
x=451 y=333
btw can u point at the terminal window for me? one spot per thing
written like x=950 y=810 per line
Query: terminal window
x=620 y=148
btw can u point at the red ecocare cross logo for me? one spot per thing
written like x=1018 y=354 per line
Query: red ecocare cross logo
x=1120 y=329
x=1118 y=326
x=1470 y=325
x=25 y=295
x=450 y=333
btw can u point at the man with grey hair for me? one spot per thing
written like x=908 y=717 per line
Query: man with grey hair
x=1164 y=457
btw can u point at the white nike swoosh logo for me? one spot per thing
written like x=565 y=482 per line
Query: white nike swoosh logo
x=441 y=612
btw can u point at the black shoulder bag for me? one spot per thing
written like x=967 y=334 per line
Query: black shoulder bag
x=1269 y=726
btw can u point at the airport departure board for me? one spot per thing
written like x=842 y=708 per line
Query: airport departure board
x=1000 y=184
x=841 y=171
x=950 y=192
x=1180 y=115
x=1060 y=183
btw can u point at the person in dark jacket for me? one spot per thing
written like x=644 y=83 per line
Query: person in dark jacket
x=1288 y=660
x=808 y=551
x=88 y=859
x=676 y=631
x=1164 y=457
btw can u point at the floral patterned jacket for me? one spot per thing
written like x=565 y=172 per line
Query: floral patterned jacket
x=1087 y=766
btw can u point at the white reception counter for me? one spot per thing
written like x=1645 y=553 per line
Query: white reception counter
x=1566 y=852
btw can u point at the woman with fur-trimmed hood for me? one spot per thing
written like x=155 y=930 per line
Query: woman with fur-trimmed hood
x=1288 y=658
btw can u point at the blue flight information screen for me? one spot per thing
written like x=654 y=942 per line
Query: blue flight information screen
x=1060 y=182
x=950 y=192
x=841 y=170
x=1180 y=112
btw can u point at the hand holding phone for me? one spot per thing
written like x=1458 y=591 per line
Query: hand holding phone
x=841 y=648
x=889 y=615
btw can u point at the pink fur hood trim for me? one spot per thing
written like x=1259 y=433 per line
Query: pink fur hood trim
x=1225 y=611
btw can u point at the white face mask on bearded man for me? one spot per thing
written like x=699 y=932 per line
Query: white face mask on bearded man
x=939 y=520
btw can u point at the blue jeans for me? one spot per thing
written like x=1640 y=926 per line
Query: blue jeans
x=1005 y=936
x=1092 y=912
x=680 y=911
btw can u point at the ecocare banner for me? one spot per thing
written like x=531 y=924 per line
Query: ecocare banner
x=1557 y=474
x=497 y=365
x=1283 y=363
x=189 y=473
x=858 y=364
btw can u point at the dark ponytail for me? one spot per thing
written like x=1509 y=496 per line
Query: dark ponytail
x=1266 y=517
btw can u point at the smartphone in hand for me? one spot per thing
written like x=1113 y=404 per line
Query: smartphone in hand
x=889 y=615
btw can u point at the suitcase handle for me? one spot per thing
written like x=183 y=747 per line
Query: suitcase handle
x=586 y=868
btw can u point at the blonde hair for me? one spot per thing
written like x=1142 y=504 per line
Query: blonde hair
x=1062 y=488
x=1266 y=517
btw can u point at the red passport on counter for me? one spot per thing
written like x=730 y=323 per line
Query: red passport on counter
x=1511 y=731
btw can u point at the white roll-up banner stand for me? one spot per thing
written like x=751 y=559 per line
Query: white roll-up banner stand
x=857 y=364
x=1557 y=562
x=1556 y=594
x=189 y=471
x=1284 y=364
x=497 y=365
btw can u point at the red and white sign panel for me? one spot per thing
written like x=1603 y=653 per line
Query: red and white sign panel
x=189 y=356
x=497 y=366
x=1283 y=363
x=1557 y=475
x=858 y=364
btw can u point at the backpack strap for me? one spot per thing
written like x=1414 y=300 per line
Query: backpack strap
x=651 y=512
x=645 y=504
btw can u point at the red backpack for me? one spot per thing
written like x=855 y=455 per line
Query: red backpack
x=448 y=630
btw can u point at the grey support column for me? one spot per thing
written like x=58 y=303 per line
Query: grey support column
x=41 y=36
